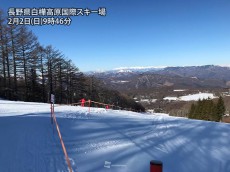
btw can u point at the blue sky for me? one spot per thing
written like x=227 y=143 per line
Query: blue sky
x=139 y=32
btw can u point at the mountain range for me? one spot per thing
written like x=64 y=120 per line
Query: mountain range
x=140 y=78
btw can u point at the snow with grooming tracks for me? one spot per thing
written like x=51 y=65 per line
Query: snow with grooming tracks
x=126 y=139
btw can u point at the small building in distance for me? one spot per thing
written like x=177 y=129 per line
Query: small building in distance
x=226 y=118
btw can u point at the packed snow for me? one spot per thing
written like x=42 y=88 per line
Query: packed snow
x=107 y=140
x=192 y=97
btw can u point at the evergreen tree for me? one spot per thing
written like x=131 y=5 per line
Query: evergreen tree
x=207 y=110
x=220 y=109
x=192 y=111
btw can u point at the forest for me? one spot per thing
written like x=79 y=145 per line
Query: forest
x=30 y=71
x=208 y=110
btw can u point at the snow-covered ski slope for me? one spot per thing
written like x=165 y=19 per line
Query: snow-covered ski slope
x=108 y=141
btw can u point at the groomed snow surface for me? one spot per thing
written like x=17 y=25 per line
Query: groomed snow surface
x=125 y=141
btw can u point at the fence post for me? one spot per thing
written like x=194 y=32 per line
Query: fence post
x=89 y=105
x=52 y=100
x=51 y=113
x=156 y=166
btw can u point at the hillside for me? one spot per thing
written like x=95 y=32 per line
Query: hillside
x=191 y=77
x=127 y=140
x=151 y=86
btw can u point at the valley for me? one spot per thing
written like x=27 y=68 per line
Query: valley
x=165 y=89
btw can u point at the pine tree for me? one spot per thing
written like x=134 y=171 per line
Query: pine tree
x=204 y=110
x=220 y=109
x=192 y=111
x=198 y=110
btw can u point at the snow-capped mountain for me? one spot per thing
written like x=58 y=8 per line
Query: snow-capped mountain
x=136 y=69
x=201 y=72
x=139 y=69
x=208 y=76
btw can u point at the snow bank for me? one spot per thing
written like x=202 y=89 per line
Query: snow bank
x=198 y=96
x=170 y=98
x=192 y=97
